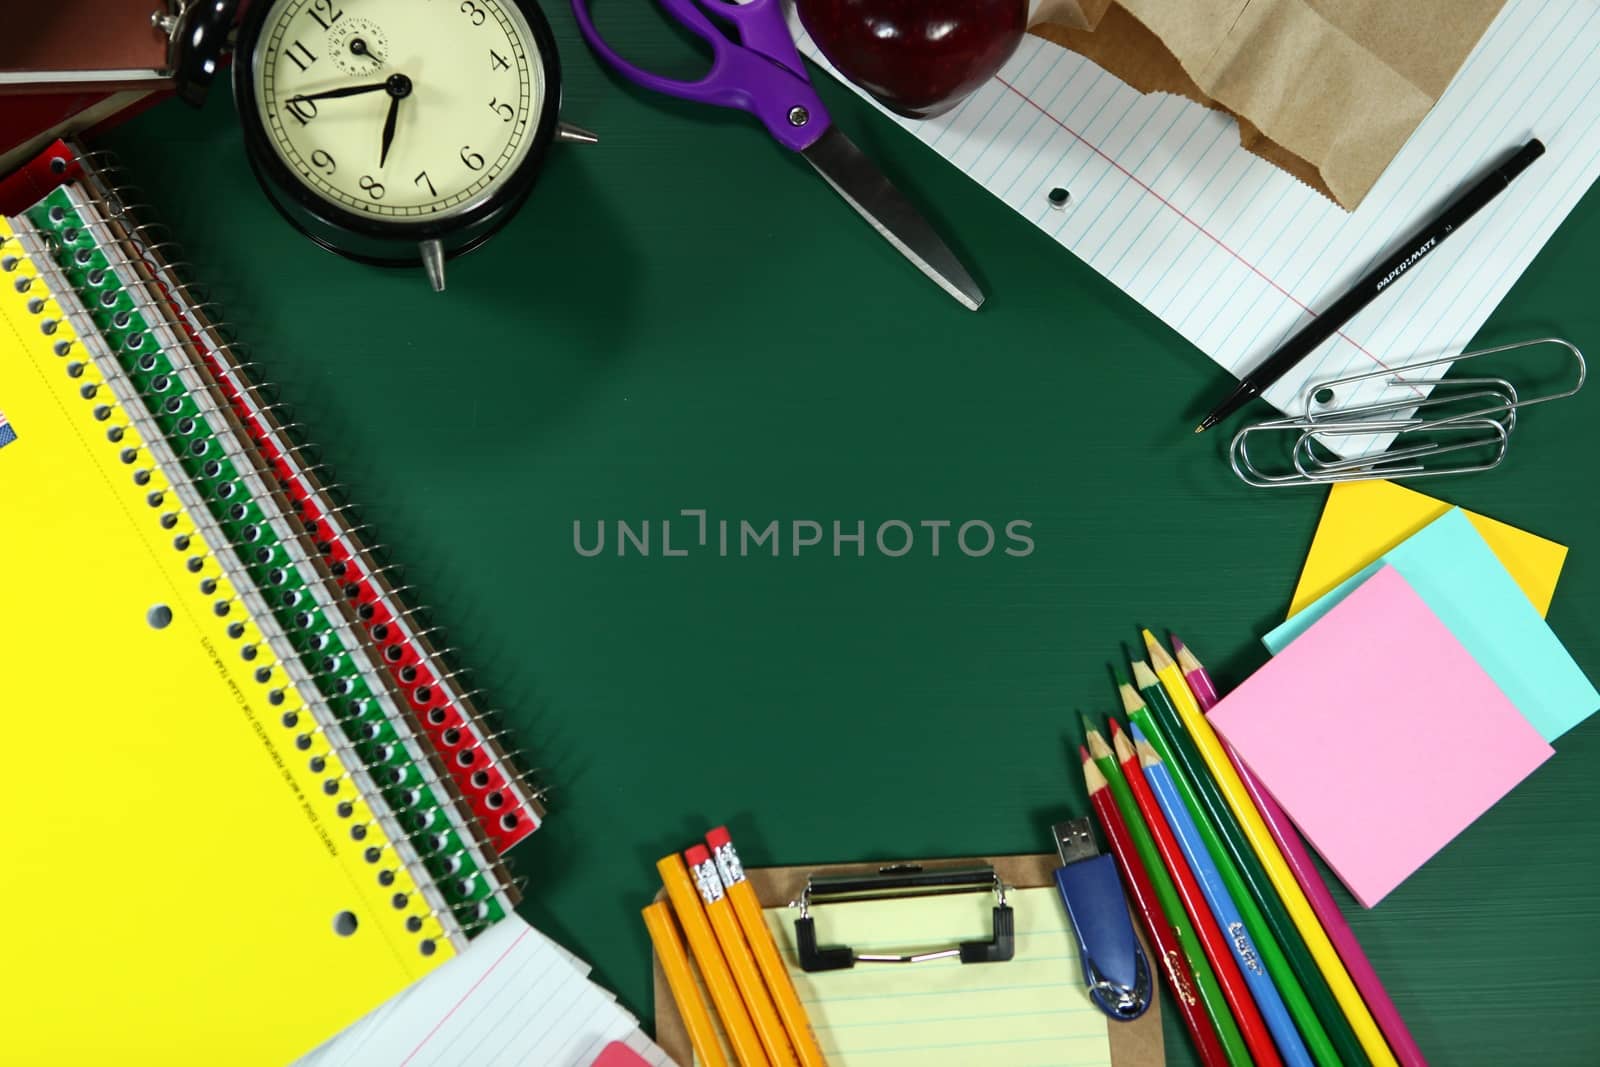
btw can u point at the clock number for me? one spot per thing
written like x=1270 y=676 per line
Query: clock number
x=373 y=187
x=473 y=12
x=422 y=179
x=505 y=111
x=302 y=109
x=498 y=61
x=471 y=158
x=334 y=14
x=323 y=162
x=296 y=51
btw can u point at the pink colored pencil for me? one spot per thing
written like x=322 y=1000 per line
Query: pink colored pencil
x=1344 y=940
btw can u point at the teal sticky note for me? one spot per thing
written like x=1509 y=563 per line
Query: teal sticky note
x=1459 y=577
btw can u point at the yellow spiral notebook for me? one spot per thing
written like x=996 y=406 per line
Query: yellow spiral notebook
x=183 y=879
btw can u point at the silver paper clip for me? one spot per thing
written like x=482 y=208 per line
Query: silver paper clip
x=1468 y=418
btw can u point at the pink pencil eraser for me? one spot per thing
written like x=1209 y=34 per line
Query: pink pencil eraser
x=718 y=837
x=696 y=855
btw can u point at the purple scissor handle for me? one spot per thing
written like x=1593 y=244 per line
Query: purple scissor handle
x=763 y=74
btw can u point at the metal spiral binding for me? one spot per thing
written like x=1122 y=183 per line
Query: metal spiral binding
x=205 y=523
x=116 y=200
x=161 y=276
x=127 y=400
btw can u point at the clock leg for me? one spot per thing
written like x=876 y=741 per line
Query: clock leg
x=566 y=131
x=433 y=263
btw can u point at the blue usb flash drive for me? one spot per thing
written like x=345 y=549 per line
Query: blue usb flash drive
x=1114 y=965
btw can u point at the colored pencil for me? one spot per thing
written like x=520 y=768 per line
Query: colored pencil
x=1205 y=979
x=1171 y=958
x=779 y=984
x=752 y=988
x=691 y=915
x=680 y=980
x=1289 y=891
x=1159 y=720
x=1253 y=1029
x=1305 y=872
x=1224 y=909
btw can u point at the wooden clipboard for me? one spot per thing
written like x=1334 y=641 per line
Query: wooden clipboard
x=1135 y=1044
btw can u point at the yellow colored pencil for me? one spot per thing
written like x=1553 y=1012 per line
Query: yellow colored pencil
x=779 y=984
x=1266 y=849
x=691 y=1005
x=713 y=968
x=714 y=895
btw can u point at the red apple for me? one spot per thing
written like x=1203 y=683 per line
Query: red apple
x=916 y=57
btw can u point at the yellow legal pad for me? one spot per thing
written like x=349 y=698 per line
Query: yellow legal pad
x=1363 y=520
x=174 y=872
x=1030 y=1011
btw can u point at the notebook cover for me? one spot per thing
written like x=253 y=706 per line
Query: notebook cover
x=1133 y=1044
x=171 y=866
x=62 y=38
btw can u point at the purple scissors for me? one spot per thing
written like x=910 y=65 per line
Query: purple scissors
x=764 y=75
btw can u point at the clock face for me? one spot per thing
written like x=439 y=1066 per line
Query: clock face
x=399 y=111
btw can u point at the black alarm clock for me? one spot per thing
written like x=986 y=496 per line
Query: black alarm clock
x=397 y=132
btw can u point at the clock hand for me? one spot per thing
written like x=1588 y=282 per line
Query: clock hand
x=388 y=129
x=349 y=90
x=358 y=47
x=399 y=87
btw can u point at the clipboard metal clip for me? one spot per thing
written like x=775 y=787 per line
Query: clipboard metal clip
x=895 y=882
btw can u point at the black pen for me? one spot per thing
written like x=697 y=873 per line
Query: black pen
x=1367 y=289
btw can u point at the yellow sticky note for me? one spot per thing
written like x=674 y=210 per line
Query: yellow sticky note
x=1363 y=520
x=1030 y=1011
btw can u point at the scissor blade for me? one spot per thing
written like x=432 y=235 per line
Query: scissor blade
x=864 y=187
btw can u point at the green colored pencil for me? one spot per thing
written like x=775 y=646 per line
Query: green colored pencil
x=1256 y=924
x=1186 y=758
x=1205 y=979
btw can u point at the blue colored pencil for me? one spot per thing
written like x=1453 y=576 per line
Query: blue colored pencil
x=1223 y=909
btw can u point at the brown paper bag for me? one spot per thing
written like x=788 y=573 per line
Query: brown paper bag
x=1328 y=90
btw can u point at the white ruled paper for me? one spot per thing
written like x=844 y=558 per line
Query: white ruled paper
x=514 y=997
x=1235 y=254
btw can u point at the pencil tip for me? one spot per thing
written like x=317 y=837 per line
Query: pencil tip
x=1116 y=727
x=1083 y=753
x=1177 y=642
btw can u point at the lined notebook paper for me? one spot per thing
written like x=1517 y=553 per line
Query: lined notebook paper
x=513 y=997
x=1233 y=253
x=1027 y=1012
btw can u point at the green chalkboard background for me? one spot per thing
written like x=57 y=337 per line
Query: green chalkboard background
x=684 y=317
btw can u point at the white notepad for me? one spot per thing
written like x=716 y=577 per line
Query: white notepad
x=1232 y=252
x=514 y=997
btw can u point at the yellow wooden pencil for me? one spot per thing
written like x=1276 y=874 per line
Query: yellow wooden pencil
x=680 y=979
x=1266 y=849
x=713 y=968
x=748 y=909
x=719 y=911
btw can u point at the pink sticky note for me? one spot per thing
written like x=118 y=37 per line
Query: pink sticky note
x=1379 y=735
x=616 y=1054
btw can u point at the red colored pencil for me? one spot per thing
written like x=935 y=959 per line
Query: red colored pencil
x=1366 y=980
x=1212 y=940
x=1172 y=963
